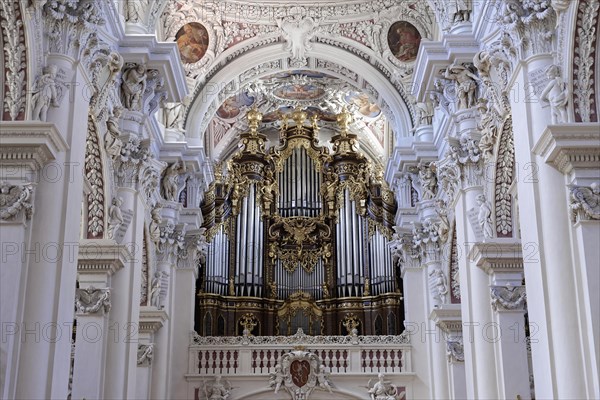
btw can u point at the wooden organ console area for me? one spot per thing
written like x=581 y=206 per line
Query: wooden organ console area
x=298 y=237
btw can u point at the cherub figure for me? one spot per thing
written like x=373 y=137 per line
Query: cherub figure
x=556 y=94
x=45 y=94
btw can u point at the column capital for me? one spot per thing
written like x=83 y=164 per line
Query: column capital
x=571 y=149
x=194 y=250
x=426 y=240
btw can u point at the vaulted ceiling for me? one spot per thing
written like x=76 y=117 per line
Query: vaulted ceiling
x=319 y=55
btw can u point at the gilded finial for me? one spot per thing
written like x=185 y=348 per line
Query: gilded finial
x=299 y=116
x=254 y=118
x=313 y=122
x=344 y=118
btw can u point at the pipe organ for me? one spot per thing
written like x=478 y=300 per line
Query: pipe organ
x=298 y=235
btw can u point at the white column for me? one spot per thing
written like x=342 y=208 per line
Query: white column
x=98 y=261
x=45 y=354
x=475 y=306
x=182 y=321
x=456 y=367
x=428 y=242
x=415 y=287
x=172 y=236
x=547 y=251
x=574 y=150
x=502 y=260
x=124 y=316
x=151 y=320
x=448 y=319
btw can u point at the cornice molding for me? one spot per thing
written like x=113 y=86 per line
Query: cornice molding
x=568 y=147
x=498 y=255
x=448 y=318
x=101 y=256
x=31 y=143
x=151 y=319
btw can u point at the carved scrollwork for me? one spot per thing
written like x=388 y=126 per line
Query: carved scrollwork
x=297 y=32
x=299 y=238
x=15 y=199
x=299 y=338
x=145 y=354
x=585 y=202
x=455 y=349
x=92 y=300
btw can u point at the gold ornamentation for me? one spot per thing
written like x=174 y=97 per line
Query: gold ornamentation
x=344 y=118
x=302 y=241
x=351 y=322
x=248 y=321
x=231 y=286
x=254 y=118
x=367 y=291
x=273 y=289
x=269 y=191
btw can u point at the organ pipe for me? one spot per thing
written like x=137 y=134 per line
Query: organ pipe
x=300 y=168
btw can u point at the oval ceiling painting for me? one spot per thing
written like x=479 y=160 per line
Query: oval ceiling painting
x=192 y=41
x=232 y=106
x=404 y=40
x=299 y=92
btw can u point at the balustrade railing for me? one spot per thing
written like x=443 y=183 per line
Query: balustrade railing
x=258 y=355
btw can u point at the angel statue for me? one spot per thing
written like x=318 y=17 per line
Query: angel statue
x=133 y=87
x=170 y=182
x=556 y=94
x=218 y=390
x=381 y=389
x=485 y=216
x=45 y=94
x=276 y=378
x=115 y=217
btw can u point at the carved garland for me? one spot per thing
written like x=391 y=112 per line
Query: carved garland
x=504 y=179
x=14 y=199
x=145 y=272
x=454 y=274
x=583 y=62
x=15 y=60
x=94 y=175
